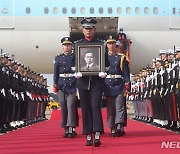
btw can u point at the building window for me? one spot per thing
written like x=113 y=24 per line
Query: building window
x=83 y=10
x=55 y=10
x=119 y=10
x=73 y=10
x=101 y=10
x=28 y=10
x=64 y=10
x=91 y=10
x=46 y=10
x=110 y=10
x=146 y=10
x=137 y=10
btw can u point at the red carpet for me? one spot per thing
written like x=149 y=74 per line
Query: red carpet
x=46 y=137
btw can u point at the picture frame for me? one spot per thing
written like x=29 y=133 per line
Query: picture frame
x=90 y=58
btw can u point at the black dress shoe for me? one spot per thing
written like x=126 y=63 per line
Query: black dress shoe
x=74 y=133
x=89 y=142
x=113 y=134
x=70 y=135
x=66 y=134
x=120 y=133
x=97 y=142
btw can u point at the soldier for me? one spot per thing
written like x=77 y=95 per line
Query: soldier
x=65 y=83
x=164 y=57
x=90 y=90
x=118 y=76
x=171 y=55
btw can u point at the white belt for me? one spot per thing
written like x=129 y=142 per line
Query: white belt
x=114 y=76
x=66 y=75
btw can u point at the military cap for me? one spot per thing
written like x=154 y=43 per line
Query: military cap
x=110 y=39
x=88 y=23
x=162 y=52
x=171 y=52
x=177 y=49
x=158 y=59
x=143 y=70
x=153 y=60
x=120 y=30
x=66 y=40
x=10 y=58
x=4 y=55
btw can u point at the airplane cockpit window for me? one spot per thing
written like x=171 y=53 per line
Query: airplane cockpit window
x=64 y=10
x=28 y=10
x=73 y=10
x=110 y=10
x=91 y=10
x=128 y=10
x=46 y=10
x=83 y=10
x=137 y=10
x=119 y=10
x=55 y=10
x=146 y=10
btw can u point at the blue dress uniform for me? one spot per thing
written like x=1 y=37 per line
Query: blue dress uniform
x=66 y=84
x=90 y=90
x=118 y=75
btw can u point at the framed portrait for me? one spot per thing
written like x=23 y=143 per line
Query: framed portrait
x=90 y=58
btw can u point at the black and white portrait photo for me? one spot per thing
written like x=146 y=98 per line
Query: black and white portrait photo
x=89 y=60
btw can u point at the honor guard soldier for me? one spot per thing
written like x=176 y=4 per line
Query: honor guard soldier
x=65 y=83
x=117 y=76
x=164 y=57
x=90 y=90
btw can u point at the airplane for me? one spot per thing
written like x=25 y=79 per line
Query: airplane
x=31 y=29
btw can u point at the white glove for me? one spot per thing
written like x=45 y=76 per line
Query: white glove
x=102 y=74
x=78 y=75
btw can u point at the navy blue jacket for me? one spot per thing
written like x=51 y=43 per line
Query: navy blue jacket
x=63 y=65
x=116 y=86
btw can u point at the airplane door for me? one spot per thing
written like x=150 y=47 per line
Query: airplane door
x=174 y=14
x=7 y=14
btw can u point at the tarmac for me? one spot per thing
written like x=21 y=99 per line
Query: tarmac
x=130 y=111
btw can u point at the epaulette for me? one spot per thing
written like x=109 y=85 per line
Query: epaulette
x=121 y=54
x=57 y=56
x=100 y=40
x=77 y=41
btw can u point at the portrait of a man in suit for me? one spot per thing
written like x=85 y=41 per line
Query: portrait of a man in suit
x=90 y=64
